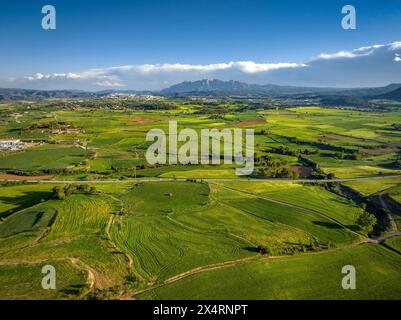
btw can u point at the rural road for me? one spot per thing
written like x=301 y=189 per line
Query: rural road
x=208 y=180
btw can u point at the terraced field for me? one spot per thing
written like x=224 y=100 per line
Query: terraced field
x=23 y=281
x=314 y=198
x=317 y=277
x=162 y=248
x=221 y=236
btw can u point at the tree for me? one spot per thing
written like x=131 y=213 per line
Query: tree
x=295 y=174
x=366 y=221
x=92 y=190
x=59 y=193
x=330 y=176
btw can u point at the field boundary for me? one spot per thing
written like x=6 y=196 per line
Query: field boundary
x=207 y=180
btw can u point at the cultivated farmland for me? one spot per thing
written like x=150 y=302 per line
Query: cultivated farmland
x=325 y=193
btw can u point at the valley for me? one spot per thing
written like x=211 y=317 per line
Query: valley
x=324 y=193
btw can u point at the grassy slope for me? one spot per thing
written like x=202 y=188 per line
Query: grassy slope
x=44 y=157
x=368 y=187
x=394 y=243
x=77 y=232
x=15 y=198
x=310 y=197
x=161 y=246
x=23 y=281
x=314 y=276
x=165 y=197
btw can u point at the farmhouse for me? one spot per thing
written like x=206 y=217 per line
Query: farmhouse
x=12 y=145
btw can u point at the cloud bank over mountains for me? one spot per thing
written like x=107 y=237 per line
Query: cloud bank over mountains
x=373 y=65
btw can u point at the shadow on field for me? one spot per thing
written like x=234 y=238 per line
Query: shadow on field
x=251 y=249
x=74 y=289
x=26 y=200
x=330 y=225
x=354 y=228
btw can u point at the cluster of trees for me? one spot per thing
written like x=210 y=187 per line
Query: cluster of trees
x=214 y=112
x=316 y=172
x=151 y=105
x=396 y=126
x=265 y=160
x=54 y=171
x=341 y=155
x=217 y=117
x=14 y=183
x=61 y=193
x=49 y=125
x=366 y=222
x=313 y=246
x=275 y=168
x=320 y=145
x=277 y=173
x=397 y=161
x=286 y=151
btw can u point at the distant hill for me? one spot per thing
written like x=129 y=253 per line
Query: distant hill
x=210 y=86
x=202 y=87
x=216 y=88
x=10 y=94
x=236 y=87
x=23 y=94
x=370 y=92
x=392 y=95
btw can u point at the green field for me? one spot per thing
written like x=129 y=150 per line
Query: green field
x=394 y=243
x=23 y=281
x=316 y=276
x=44 y=157
x=16 y=198
x=115 y=139
x=128 y=229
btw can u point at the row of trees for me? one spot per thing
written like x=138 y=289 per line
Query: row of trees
x=61 y=193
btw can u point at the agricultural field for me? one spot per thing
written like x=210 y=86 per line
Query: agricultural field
x=379 y=275
x=325 y=192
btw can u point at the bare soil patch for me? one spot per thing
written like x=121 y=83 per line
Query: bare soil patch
x=6 y=176
x=377 y=151
x=142 y=120
x=248 y=123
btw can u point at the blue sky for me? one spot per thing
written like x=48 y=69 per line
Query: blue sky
x=104 y=35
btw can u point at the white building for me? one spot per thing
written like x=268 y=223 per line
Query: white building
x=12 y=145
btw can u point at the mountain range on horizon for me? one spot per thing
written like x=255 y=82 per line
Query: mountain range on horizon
x=238 y=87
x=214 y=87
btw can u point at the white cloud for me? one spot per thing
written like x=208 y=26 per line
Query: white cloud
x=252 y=67
x=111 y=77
x=379 y=60
x=395 y=45
x=177 y=67
x=360 y=52
x=109 y=84
x=244 y=66
x=41 y=76
x=340 y=54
